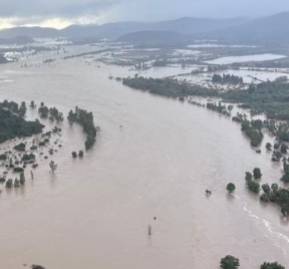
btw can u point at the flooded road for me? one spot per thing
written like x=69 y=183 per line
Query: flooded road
x=94 y=213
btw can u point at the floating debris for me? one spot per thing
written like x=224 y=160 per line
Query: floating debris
x=208 y=193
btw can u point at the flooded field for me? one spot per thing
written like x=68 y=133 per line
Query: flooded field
x=215 y=45
x=248 y=76
x=251 y=76
x=246 y=58
x=94 y=212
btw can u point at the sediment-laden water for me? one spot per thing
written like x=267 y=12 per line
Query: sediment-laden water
x=94 y=212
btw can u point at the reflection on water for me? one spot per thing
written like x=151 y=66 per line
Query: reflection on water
x=95 y=212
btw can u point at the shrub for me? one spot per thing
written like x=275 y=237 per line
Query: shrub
x=229 y=262
x=231 y=187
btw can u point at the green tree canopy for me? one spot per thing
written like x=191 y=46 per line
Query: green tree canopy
x=230 y=262
x=231 y=187
x=271 y=265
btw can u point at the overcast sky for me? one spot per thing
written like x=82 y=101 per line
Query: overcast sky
x=60 y=13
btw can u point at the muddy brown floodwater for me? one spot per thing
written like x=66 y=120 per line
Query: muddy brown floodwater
x=95 y=212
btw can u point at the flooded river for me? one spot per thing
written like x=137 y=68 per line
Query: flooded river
x=94 y=212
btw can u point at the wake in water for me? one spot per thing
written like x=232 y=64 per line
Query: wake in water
x=268 y=226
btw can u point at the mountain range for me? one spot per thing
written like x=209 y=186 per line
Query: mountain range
x=270 y=29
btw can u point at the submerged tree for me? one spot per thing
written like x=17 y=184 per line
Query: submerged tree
x=252 y=185
x=269 y=146
x=231 y=187
x=22 y=178
x=271 y=265
x=229 y=262
x=257 y=173
x=86 y=121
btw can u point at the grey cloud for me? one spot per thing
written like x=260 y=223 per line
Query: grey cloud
x=138 y=9
x=19 y=8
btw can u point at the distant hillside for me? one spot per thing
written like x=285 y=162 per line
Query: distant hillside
x=109 y=30
x=19 y=40
x=271 y=29
x=33 y=32
x=190 y=26
x=266 y=30
x=118 y=29
x=154 y=38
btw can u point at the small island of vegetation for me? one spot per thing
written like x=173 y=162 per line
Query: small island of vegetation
x=231 y=262
x=29 y=144
x=12 y=123
x=227 y=79
x=167 y=87
x=86 y=121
